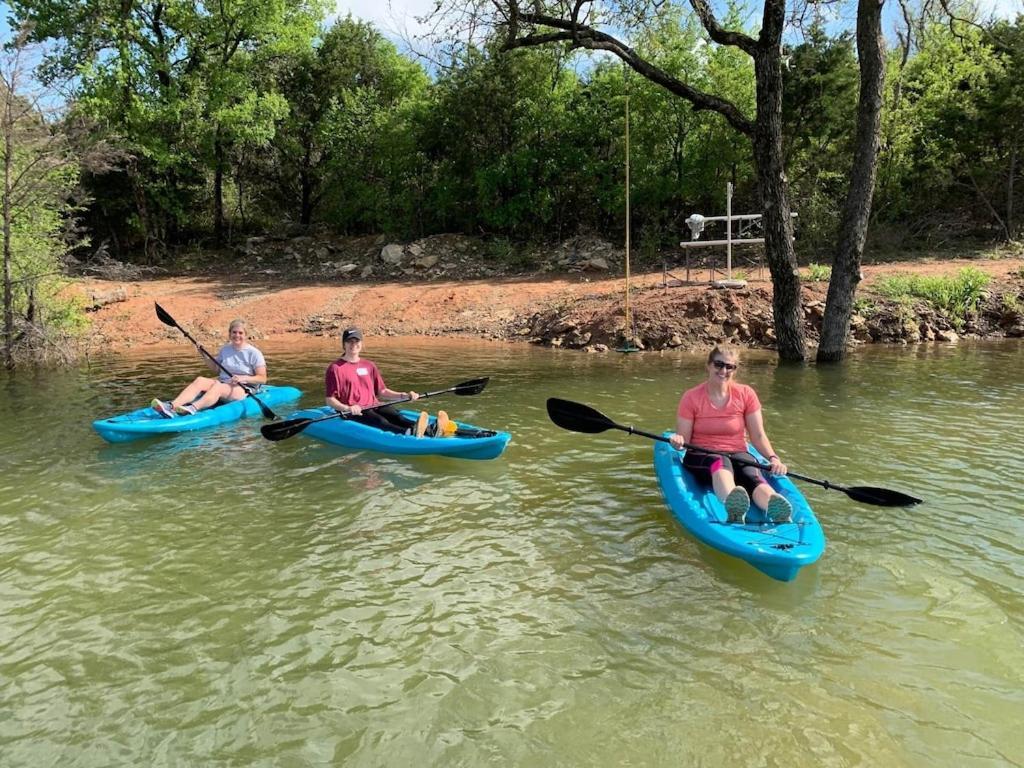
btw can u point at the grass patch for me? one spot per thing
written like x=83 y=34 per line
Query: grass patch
x=864 y=307
x=955 y=296
x=818 y=273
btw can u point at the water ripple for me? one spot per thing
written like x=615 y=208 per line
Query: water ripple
x=215 y=599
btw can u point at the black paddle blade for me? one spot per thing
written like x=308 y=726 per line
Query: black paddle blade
x=471 y=387
x=879 y=497
x=284 y=429
x=577 y=417
x=165 y=318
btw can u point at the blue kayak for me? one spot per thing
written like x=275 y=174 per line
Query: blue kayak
x=779 y=550
x=146 y=422
x=472 y=443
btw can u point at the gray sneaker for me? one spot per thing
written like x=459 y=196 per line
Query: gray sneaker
x=779 y=509
x=736 y=505
x=164 y=409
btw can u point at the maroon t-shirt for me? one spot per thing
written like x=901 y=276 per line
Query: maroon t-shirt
x=353 y=383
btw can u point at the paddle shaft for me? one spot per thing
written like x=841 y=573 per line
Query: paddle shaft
x=582 y=418
x=859 y=494
x=286 y=429
x=165 y=317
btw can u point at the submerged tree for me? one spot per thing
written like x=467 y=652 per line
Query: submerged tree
x=853 y=230
x=39 y=174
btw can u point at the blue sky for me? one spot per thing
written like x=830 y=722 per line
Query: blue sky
x=396 y=18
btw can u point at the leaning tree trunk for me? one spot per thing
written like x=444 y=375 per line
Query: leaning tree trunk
x=778 y=226
x=842 y=288
x=218 y=189
x=8 y=155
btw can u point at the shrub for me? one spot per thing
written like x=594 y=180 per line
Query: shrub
x=818 y=273
x=955 y=297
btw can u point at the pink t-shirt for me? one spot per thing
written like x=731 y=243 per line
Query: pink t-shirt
x=353 y=383
x=721 y=429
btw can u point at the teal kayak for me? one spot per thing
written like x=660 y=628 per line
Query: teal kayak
x=469 y=442
x=779 y=550
x=146 y=422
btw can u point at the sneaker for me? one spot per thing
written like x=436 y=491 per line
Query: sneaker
x=442 y=424
x=736 y=505
x=164 y=409
x=779 y=509
x=421 y=424
x=185 y=410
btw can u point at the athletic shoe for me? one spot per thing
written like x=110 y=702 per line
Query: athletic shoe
x=185 y=410
x=442 y=424
x=779 y=509
x=736 y=505
x=421 y=424
x=164 y=409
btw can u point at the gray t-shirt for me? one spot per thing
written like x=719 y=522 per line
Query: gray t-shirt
x=244 y=361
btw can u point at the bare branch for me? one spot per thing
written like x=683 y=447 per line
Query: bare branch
x=582 y=36
x=718 y=33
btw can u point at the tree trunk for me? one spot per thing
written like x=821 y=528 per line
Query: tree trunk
x=8 y=295
x=218 y=189
x=853 y=230
x=1011 y=226
x=778 y=225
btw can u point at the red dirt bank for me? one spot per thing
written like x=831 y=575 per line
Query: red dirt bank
x=524 y=308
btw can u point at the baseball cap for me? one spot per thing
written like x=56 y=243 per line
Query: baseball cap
x=351 y=333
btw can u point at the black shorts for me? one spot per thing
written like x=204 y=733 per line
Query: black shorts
x=701 y=465
x=387 y=418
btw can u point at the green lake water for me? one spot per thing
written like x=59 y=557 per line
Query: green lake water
x=215 y=599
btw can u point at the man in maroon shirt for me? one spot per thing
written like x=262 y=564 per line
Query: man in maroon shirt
x=353 y=383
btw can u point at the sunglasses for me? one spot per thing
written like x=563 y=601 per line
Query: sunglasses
x=721 y=364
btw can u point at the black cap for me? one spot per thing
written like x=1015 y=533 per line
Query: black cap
x=351 y=333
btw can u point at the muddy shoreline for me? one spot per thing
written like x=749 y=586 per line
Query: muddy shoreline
x=572 y=310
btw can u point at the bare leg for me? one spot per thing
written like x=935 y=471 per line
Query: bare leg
x=212 y=390
x=762 y=494
x=723 y=482
x=193 y=390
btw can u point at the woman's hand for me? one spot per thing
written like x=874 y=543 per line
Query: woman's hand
x=778 y=468
x=413 y=395
x=238 y=379
x=355 y=410
x=678 y=441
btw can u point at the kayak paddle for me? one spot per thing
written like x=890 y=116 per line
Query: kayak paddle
x=577 y=417
x=286 y=429
x=166 y=319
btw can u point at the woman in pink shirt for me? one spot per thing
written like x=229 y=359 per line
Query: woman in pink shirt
x=719 y=414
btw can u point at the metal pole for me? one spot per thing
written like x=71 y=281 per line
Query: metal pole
x=728 y=230
x=628 y=340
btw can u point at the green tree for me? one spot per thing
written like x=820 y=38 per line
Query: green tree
x=342 y=94
x=585 y=25
x=39 y=174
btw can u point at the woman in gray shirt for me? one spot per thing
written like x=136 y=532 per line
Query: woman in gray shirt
x=247 y=367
